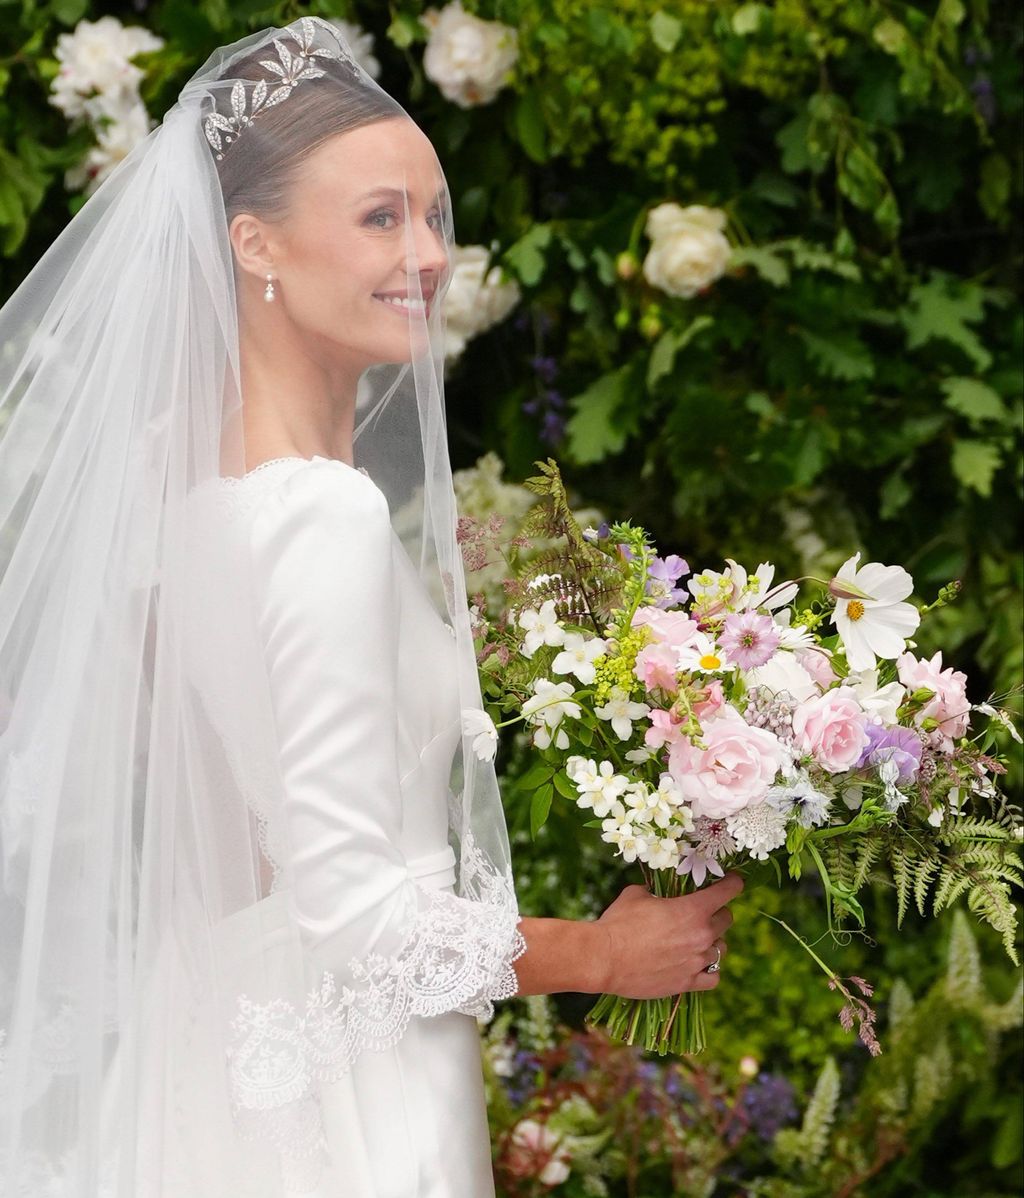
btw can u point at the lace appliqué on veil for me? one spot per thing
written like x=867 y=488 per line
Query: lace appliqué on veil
x=457 y=955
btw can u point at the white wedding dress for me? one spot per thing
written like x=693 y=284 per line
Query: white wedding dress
x=361 y=674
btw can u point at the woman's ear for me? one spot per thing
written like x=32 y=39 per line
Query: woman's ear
x=251 y=245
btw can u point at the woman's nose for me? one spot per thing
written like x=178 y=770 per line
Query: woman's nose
x=428 y=251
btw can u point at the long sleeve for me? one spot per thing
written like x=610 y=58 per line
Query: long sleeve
x=323 y=560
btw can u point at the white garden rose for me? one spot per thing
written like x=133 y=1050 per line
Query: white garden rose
x=469 y=59
x=688 y=250
x=476 y=299
x=361 y=44
x=96 y=57
x=122 y=130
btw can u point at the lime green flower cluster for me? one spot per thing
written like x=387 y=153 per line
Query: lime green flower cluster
x=615 y=669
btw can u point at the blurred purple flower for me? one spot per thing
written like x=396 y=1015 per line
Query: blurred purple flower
x=899 y=745
x=546 y=368
x=552 y=429
x=770 y=1103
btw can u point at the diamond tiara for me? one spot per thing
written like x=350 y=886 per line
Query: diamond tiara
x=291 y=68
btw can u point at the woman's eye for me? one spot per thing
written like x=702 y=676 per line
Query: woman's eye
x=379 y=218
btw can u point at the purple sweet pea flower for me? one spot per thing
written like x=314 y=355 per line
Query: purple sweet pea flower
x=899 y=745
x=662 y=575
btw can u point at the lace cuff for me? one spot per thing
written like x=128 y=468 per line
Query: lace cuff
x=457 y=957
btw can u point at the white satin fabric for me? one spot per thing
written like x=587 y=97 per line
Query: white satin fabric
x=362 y=679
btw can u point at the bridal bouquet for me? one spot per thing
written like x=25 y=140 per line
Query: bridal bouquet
x=709 y=720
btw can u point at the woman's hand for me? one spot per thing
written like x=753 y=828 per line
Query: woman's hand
x=656 y=947
x=641 y=947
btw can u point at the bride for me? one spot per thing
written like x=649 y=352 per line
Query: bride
x=256 y=882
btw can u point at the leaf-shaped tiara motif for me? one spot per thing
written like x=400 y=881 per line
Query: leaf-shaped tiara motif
x=291 y=68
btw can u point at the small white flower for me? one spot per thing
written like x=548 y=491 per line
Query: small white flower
x=935 y=817
x=96 y=57
x=604 y=792
x=888 y=774
x=853 y=796
x=801 y=800
x=759 y=829
x=639 y=756
x=546 y=708
x=621 y=711
x=479 y=725
x=1001 y=717
x=578 y=656
x=663 y=853
x=875 y=622
x=580 y=770
x=541 y=628
x=630 y=843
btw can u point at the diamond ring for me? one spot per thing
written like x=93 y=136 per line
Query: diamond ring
x=716 y=964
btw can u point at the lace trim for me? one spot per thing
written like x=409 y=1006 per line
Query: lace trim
x=458 y=955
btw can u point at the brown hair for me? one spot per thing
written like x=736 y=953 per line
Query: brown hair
x=258 y=168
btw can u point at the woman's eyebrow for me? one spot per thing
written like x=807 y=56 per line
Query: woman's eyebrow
x=392 y=193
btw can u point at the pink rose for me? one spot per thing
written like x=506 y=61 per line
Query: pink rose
x=816 y=663
x=712 y=702
x=656 y=667
x=668 y=627
x=832 y=728
x=733 y=770
x=949 y=706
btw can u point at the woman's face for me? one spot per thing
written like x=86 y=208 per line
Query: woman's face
x=362 y=239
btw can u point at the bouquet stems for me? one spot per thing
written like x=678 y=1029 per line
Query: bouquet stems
x=661 y=1025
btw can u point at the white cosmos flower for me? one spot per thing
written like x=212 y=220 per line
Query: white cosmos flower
x=621 y=711
x=541 y=628
x=702 y=656
x=882 y=703
x=480 y=726
x=874 y=622
x=578 y=656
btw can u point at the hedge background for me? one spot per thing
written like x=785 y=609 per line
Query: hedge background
x=854 y=381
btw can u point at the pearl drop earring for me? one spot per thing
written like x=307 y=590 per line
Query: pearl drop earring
x=268 y=293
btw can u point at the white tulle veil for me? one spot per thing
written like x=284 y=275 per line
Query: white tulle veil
x=145 y=860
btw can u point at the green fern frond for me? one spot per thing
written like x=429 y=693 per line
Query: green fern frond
x=924 y=872
x=870 y=851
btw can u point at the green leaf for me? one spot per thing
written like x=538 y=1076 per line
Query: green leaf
x=663 y=355
x=565 y=787
x=665 y=31
x=839 y=355
x=530 y=129
x=538 y=774
x=540 y=808
x=406 y=29
x=894 y=494
x=747 y=19
x=1009 y=1138
x=593 y=432
x=526 y=257
x=974 y=399
x=769 y=265
x=975 y=464
x=943 y=308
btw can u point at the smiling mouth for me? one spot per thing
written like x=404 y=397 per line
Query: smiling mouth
x=405 y=303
